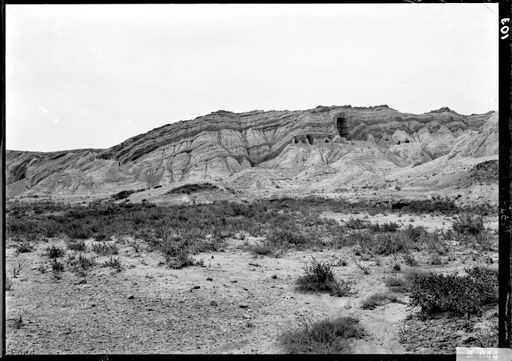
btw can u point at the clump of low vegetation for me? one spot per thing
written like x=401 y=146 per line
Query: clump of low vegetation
x=435 y=260
x=54 y=252
x=114 y=263
x=101 y=237
x=16 y=269
x=8 y=284
x=384 y=227
x=456 y=294
x=379 y=299
x=264 y=249
x=356 y=223
x=319 y=278
x=78 y=245
x=323 y=337
x=81 y=264
x=409 y=259
x=24 y=247
x=57 y=266
x=18 y=322
x=180 y=260
x=284 y=238
x=364 y=269
x=85 y=263
x=469 y=224
x=42 y=268
x=104 y=248
x=397 y=284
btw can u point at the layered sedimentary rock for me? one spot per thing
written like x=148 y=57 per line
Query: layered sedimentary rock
x=221 y=145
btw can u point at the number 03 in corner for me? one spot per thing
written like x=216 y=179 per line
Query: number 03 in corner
x=504 y=28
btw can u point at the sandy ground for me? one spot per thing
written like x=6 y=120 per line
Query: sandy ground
x=236 y=303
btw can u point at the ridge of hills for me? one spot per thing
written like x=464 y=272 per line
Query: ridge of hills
x=329 y=150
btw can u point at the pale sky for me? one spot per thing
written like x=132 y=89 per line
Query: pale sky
x=91 y=76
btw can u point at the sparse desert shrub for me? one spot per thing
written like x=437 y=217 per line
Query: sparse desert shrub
x=384 y=227
x=409 y=259
x=18 y=322
x=414 y=233
x=101 y=237
x=319 y=278
x=81 y=264
x=84 y=262
x=365 y=269
x=136 y=246
x=468 y=224
x=57 y=267
x=114 y=263
x=16 y=270
x=323 y=337
x=221 y=233
x=397 y=284
x=459 y=295
x=104 y=248
x=284 y=238
x=78 y=230
x=340 y=262
x=487 y=281
x=24 y=247
x=263 y=249
x=54 y=251
x=352 y=238
x=42 y=268
x=77 y=245
x=379 y=299
x=487 y=334
x=180 y=260
x=435 y=260
x=356 y=223
x=390 y=243
x=8 y=284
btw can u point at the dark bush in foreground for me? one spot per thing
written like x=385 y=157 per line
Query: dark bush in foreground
x=54 y=252
x=323 y=337
x=319 y=278
x=458 y=295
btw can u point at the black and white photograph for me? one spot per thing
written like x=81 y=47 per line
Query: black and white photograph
x=251 y=178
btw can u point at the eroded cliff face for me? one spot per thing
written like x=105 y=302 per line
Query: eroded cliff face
x=221 y=145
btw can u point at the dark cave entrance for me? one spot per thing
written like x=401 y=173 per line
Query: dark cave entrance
x=310 y=139
x=342 y=126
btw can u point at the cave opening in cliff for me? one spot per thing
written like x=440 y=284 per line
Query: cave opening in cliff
x=342 y=126
x=310 y=139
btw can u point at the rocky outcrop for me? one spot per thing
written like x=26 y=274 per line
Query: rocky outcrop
x=222 y=144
